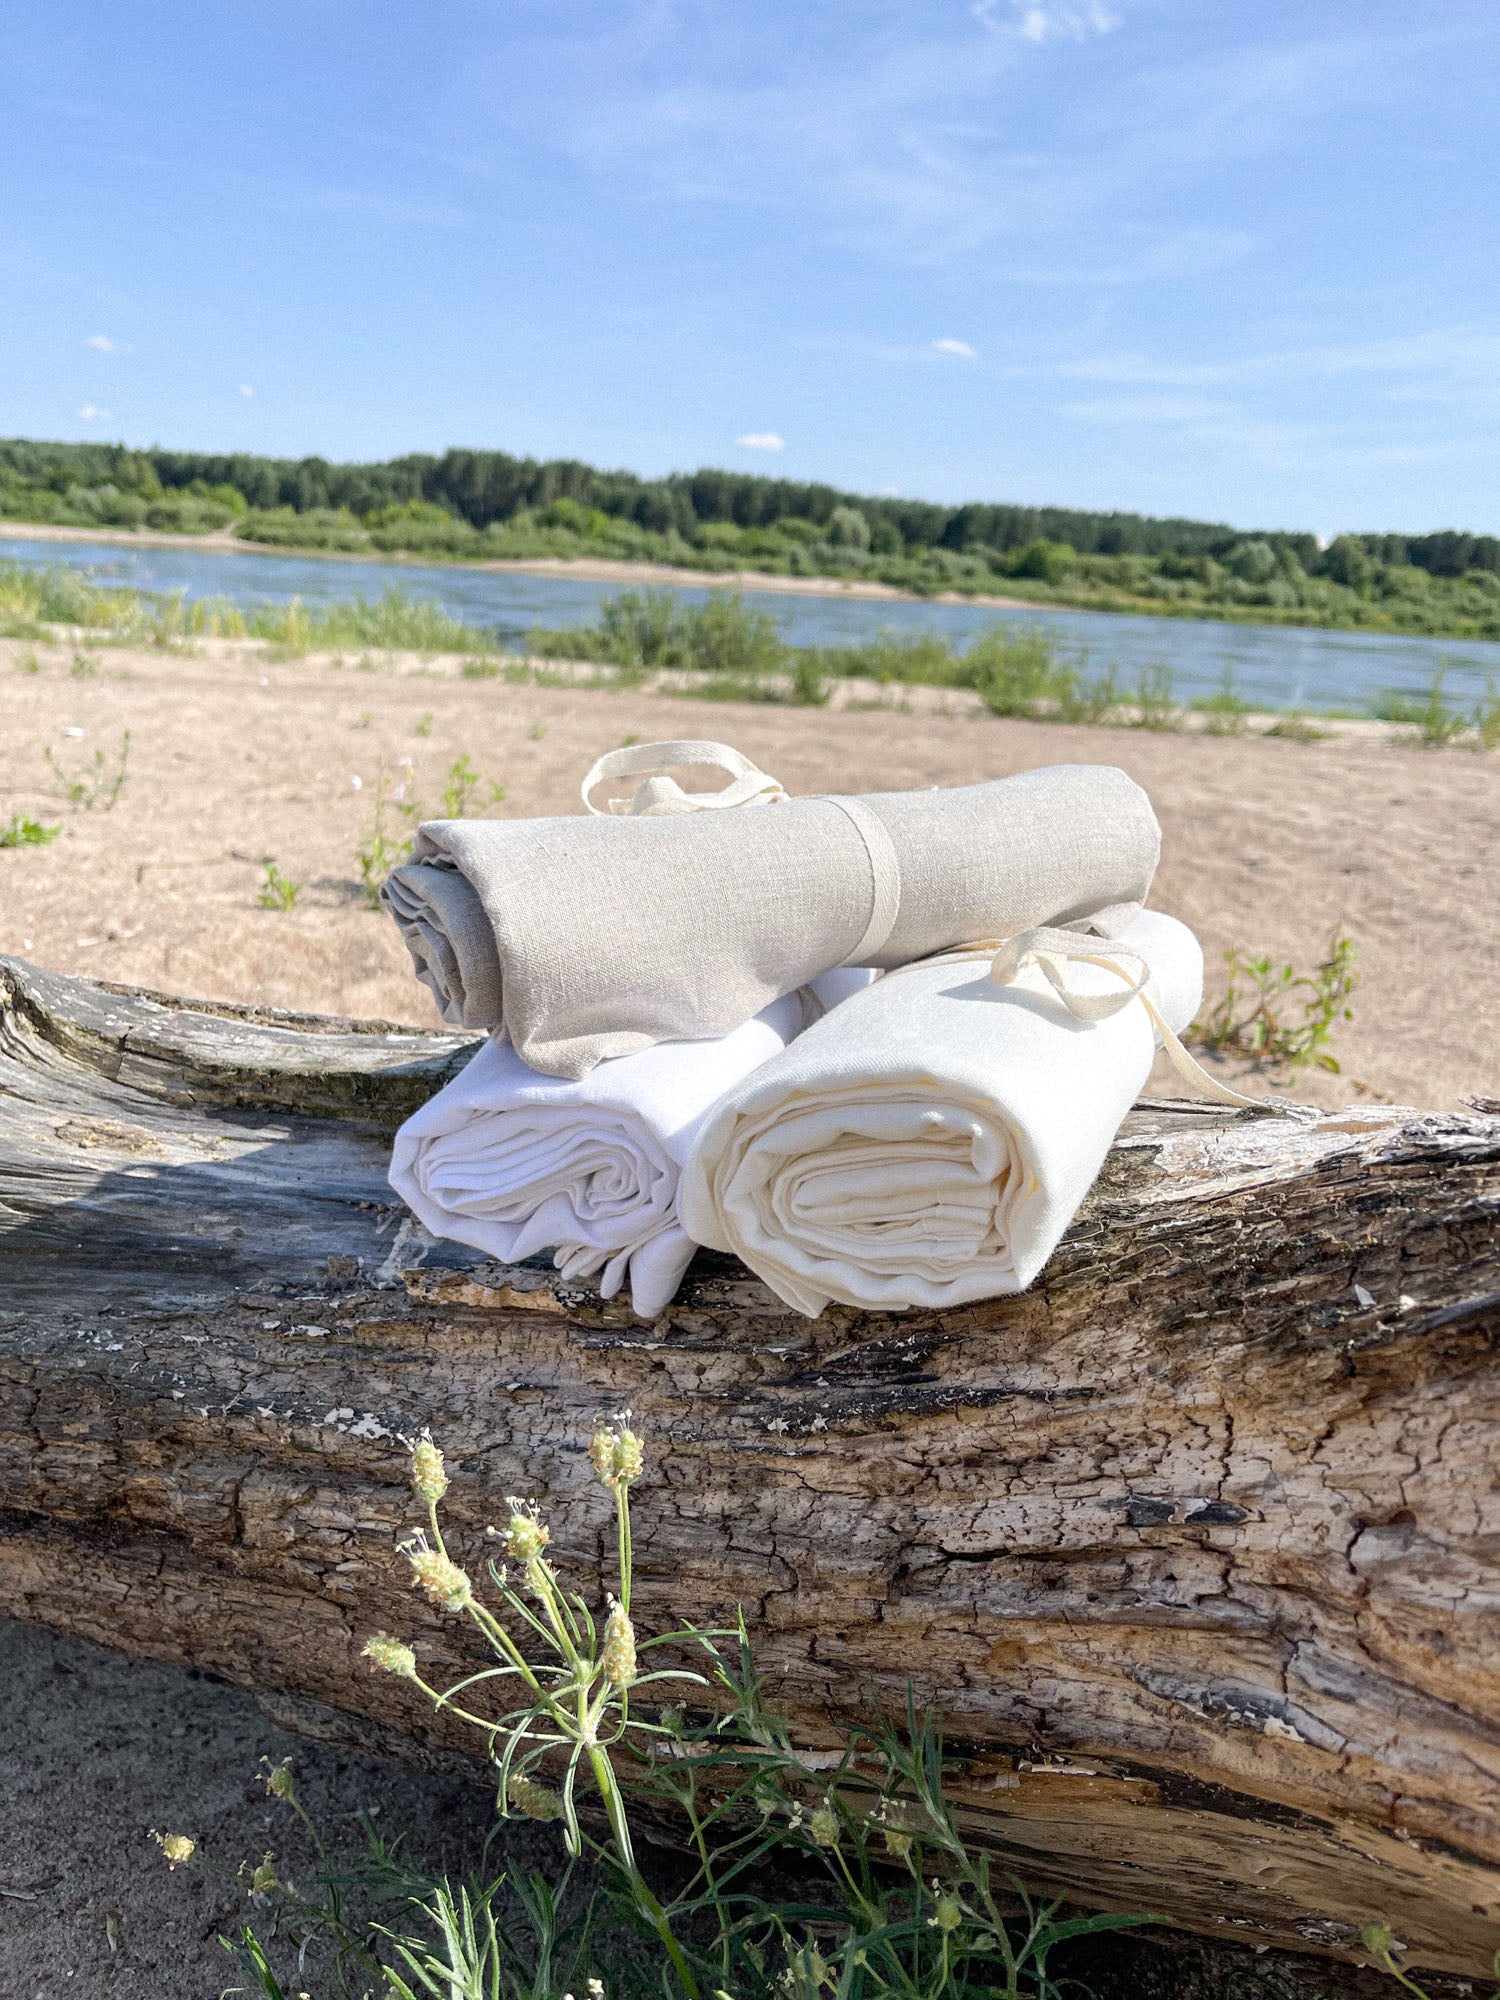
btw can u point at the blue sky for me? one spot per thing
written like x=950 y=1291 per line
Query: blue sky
x=1183 y=256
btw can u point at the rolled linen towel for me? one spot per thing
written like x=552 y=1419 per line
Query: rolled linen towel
x=929 y=1144
x=590 y=938
x=514 y=1162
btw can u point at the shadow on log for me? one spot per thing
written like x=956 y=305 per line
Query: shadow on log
x=1196 y=1545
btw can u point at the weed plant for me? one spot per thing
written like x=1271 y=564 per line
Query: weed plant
x=1433 y=721
x=25 y=832
x=276 y=891
x=98 y=785
x=396 y=812
x=887 y=1900
x=1298 y=728
x=1227 y=714
x=1487 y=718
x=1274 y=1014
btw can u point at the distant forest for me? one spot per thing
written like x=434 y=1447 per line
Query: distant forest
x=486 y=504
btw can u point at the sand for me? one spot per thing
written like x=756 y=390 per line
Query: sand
x=237 y=756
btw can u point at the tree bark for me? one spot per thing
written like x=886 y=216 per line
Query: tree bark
x=1196 y=1546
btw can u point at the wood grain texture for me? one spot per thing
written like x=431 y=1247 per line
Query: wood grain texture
x=1197 y=1545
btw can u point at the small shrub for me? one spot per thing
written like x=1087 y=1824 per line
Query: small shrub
x=98 y=786
x=1274 y=1014
x=1019 y=673
x=810 y=687
x=25 y=832
x=1154 y=703
x=1298 y=728
x=424 y=727
x=276 y=892
x=1432 y=721
x=1487 y=718
x=1227 y=714
x=83 y=668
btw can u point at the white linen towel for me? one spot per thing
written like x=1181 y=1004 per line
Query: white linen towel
x=929 y=1143
x=514 y=1162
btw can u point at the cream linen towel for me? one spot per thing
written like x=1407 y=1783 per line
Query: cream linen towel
x=513 y=1162
x=588 y=938
x=929 y=1143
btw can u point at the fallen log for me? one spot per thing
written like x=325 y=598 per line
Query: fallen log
x=1196 y=1546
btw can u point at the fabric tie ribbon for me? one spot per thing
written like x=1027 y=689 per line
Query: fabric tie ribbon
x=1052 y=951
x=659 y=794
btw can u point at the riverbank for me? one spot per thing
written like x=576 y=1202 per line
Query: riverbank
x=585 y=569
x=238 y=758
x=1357 y=616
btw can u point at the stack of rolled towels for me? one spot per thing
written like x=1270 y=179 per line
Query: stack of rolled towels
x=876 y=1046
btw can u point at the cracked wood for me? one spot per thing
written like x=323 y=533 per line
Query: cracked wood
x=1197 y=1545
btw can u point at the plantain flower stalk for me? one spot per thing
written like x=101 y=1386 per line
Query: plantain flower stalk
x=618 y=1657
x=428 y=1477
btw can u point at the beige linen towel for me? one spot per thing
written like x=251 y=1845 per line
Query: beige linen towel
x=589 y=938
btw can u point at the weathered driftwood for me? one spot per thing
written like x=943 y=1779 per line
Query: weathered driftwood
x=1197 y=1546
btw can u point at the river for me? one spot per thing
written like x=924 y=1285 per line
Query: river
x=1273 y=666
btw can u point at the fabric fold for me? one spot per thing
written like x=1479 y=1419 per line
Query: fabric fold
x=928 y=1145
x=586 y=939
x=513 y=1162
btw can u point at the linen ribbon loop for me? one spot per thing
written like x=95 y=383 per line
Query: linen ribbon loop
x=659 y=794
x=1052 y=951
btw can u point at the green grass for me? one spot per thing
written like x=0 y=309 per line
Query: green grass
x=31 y=600
x=276 y=891
x=1274 y=1014
x=96 y=784
x=733 y=650
x=848 y=1880
x=25 y=832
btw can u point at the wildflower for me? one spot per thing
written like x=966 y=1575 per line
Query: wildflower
x=445 y=1583
x=1379 y=1939
x=390 y=1655
x=525 y=1535
x=277 y=1779
x=532 y=1799
x=264 y=1882
x=616 y=1454
x=949 y=1913
x=897 y=1845
x=824 y=1826
x=178 y=1849
x=618 y=1658
x=428 y=1477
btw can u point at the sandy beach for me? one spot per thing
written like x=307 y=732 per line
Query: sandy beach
x=236 y=757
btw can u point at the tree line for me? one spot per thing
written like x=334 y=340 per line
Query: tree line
x=488 y=489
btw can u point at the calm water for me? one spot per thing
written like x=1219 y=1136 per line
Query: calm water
x=1273 y=666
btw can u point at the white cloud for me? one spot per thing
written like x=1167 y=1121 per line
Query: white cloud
x=91 y=414
x=1049 y=20
x=246 y=390
x=105 y=345
x=960 y=349
x=762 y=441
